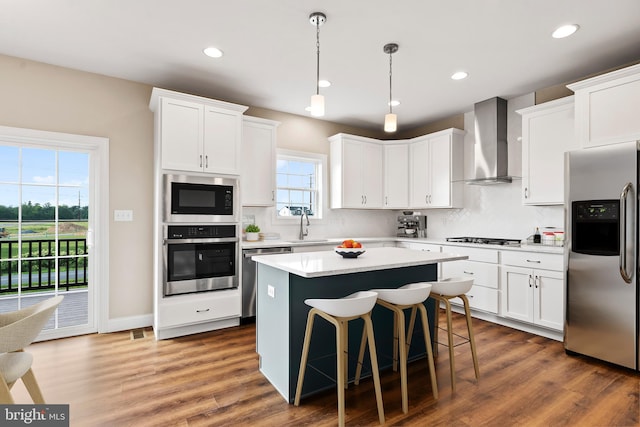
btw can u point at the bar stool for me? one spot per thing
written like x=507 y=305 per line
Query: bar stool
x=397 y=300
x=339 y=312
x=443 y=291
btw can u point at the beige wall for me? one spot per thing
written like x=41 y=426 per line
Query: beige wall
x=302 y=133
x=45 y=97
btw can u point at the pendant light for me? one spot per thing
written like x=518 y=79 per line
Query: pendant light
x=390 y=119
x=317 y=100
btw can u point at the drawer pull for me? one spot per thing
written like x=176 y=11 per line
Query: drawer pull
x=203 y=311
x=533 y=261
x=467 y=272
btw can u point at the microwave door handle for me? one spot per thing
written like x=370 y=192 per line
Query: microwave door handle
x=623 y=234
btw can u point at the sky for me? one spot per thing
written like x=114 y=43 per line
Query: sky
x=32 y=173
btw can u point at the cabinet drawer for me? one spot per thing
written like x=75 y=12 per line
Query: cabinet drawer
x=481 y=298
x=533 y=260
x=483 y=274
x=199 y=308
x=474 y=254
x=419 y=246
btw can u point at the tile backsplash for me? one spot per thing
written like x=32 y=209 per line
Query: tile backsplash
x=490 y=211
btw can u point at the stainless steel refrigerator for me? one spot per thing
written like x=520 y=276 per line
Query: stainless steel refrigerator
x=601 y=258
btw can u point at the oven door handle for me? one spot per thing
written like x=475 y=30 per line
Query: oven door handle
x=181 y=241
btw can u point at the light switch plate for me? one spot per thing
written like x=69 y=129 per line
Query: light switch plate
x=271 y=291
x=123 y=215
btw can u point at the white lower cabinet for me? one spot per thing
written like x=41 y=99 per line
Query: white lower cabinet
x=182 y=310
x=482 y=266
x=515 y=288
x=533 y=295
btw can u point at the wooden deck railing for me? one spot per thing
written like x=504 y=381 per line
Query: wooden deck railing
x=38 y=269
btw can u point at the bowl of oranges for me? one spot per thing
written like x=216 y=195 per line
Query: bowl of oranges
x=350 y=249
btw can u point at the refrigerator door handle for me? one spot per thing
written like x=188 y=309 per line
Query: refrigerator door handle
x=623 y=234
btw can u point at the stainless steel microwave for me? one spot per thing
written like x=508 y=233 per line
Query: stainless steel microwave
x=200 y=198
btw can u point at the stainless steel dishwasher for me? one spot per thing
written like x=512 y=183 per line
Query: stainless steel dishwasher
x=249 y=278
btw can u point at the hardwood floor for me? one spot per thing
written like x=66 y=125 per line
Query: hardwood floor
x=212 y=379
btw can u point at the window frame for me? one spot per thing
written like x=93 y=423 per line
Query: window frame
x=321 y=182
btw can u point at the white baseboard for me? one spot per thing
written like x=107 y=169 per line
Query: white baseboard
x=131 y=322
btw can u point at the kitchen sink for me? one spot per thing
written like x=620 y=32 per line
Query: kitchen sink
x=308 y=241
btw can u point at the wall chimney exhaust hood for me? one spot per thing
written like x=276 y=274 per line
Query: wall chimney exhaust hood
x=490 y=147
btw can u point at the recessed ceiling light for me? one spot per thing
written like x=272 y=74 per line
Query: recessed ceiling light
x=565 y=31
x=213 y=52
x=324 y=83
x=459 y=75
x=394 y=103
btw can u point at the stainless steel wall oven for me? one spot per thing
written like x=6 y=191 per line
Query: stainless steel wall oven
x=200 y=258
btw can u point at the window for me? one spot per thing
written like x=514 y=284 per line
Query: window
x=299 y=182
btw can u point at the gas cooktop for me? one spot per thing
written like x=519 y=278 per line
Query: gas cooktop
x=484 y=241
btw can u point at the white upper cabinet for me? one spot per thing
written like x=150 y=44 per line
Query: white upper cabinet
x=356 y=172
x=436 y=170
x=547 y=133
x=607 y=107
x=258 y=182
x=197 y=134
x=396 y=175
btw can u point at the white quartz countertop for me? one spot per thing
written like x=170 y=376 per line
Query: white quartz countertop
x=329 y=263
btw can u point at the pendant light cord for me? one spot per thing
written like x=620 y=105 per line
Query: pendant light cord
x=390 y=75
x=318 y=56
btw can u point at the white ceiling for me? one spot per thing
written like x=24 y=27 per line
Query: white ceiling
x=269 y=46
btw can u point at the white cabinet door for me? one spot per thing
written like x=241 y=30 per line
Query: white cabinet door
x=420 y=176
x=607 y=107
x=222 y=140
x=436 y=170
x=396 y=176
x=258 y=162
x=356 y=172
x=549 y=299
x=547 y=133
x=440 y=167
x=533 y=296
x=372 y=175
x=352 y=174
x=517 y=293
x=181 y=135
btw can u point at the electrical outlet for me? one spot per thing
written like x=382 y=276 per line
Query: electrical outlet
x=123 y=215
x=271 y=291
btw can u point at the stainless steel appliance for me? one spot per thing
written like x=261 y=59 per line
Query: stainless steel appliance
x=249 y=278
x=485 y=241
x=200 y=258
x=602 y=299
x=200 y=199
x=412 y=226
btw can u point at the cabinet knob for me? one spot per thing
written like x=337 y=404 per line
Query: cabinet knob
x=526 y=193
x=530 y=281
x=203 y=311
x=200 y=160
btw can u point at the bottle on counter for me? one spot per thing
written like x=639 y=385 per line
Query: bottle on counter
x=536 y=236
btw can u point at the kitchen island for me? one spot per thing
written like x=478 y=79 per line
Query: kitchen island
x=286 y=280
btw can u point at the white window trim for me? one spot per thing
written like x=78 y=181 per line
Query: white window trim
x=323 y=182
x=100 y=200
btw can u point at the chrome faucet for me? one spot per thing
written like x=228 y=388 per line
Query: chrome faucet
x=303 y=232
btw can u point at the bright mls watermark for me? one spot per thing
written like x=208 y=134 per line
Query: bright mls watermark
x=34 y=415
